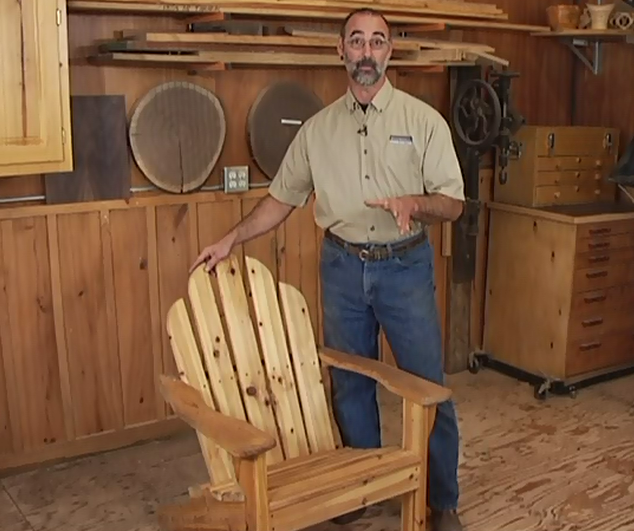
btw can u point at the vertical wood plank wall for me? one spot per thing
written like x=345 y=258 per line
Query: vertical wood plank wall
x=84 y=288
x=84 y=291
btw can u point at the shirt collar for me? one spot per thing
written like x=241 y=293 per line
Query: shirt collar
x=379 y=102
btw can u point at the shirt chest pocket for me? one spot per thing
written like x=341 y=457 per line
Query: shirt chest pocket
x=403 y=162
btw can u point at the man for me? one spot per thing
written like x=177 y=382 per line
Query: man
x=382 y=166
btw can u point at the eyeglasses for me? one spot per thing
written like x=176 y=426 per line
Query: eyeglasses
x=376 y=43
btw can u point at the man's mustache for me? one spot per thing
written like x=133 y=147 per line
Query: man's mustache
x=366 y=61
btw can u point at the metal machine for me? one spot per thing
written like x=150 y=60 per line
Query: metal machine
x=482 y=118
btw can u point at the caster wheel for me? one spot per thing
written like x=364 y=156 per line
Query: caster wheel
x=474 y=365
x=540 y=392
x=572 y=392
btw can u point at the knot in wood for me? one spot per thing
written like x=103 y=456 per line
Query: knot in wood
x=251 y=390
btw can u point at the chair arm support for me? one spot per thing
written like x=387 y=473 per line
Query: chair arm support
x=402 y=383
x=239 y=438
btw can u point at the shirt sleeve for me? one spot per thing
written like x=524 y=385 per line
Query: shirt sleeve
x=441 y=169
x=293 y=182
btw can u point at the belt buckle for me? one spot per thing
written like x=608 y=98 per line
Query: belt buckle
x=364 y=254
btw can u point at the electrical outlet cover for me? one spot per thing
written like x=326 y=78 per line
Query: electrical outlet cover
x=236 y=179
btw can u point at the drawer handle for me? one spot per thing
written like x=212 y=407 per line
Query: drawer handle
x=592 y=322
x=597 y=274
x=596 y=298
x=600 y=245
x=597 y=259
x=590 y=346
x=604 y=230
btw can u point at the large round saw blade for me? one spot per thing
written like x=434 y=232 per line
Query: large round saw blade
x=275 y=118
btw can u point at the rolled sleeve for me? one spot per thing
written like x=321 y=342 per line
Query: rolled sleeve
x=441 y=168
x=293 y=182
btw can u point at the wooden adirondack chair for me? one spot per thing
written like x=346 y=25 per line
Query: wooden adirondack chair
x=263 y=420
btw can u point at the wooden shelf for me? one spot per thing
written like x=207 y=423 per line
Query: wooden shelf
x=600 y=35
x=584 y=38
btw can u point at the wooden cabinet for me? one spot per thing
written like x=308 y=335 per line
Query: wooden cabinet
x=35 y=134
x=560 y=289
x=560 y=165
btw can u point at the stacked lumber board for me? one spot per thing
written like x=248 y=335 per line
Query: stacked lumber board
x=401 y=13
x=285 y=39
x=445 y=8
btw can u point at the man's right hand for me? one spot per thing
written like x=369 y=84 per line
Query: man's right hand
x=214 y=253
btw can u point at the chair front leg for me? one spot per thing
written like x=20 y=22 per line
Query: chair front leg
x=252 y=476
x=417 y=425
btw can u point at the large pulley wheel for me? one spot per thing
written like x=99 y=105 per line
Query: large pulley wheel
x=477 y=114
x=275 y=118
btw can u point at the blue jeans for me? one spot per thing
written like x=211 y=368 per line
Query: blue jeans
x=396 y=294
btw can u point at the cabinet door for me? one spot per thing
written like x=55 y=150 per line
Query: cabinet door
x=34 y=87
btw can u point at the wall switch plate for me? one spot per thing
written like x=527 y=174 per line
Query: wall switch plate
x=236 y=179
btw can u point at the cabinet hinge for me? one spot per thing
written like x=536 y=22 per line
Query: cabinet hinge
x=58 y=16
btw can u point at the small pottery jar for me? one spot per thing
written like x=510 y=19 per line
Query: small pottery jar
x=563 y=16
x=600 y=15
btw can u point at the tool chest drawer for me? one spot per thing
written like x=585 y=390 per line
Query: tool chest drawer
x=559 y=166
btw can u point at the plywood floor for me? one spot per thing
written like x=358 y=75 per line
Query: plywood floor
x=562 y=465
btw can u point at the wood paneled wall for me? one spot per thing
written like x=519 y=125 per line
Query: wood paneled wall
x=543 y=90
x=84 y=293
x=542 y=93
x=84 y=288
x=608 y=99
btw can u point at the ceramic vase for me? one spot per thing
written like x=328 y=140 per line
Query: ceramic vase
x=600 y=15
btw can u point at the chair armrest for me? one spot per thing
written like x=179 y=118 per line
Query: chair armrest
x=402 y=383
x=239 y=438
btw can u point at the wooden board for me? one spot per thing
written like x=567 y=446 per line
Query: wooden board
x=445 y=8
x=177 y=133
x=100 y=152
x=274 y=119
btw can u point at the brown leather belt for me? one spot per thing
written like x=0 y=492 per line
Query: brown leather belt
x=372 y=252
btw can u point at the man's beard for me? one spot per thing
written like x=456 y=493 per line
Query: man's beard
x=365 y=78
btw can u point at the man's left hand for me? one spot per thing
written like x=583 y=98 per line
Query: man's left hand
x=402 y=208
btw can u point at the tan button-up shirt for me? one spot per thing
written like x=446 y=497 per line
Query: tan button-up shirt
x=399 y=146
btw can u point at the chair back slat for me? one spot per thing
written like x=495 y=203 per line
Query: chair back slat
x=190 y=368
x=252 y=377
x=307 y=368
x=276 y=359
x=216 y=353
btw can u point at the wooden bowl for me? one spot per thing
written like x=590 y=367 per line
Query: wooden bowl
x=562 y=17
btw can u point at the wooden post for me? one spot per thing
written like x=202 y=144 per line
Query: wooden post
x=462 y=260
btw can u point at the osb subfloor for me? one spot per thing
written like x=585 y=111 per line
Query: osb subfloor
x=563 y=465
